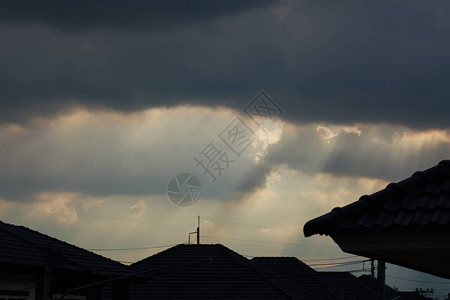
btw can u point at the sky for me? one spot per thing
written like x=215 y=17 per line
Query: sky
x=102 y=104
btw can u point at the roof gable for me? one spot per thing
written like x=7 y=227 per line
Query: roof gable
x=422 y=200
x=230 y=275
x=296 y=272
x=406 y=220
x=345 y=285
x=24 y=246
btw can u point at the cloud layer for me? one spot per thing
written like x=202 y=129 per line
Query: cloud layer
x=340 y=62
x=137 y=15
x=100 y=105
x=377 y=151
x=107 y=153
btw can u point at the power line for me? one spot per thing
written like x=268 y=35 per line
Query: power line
x=127 y=249
x=413 y=280
x=340 y=263
x=307 y=260
x=253 y=225
x=359 y=270
x=267 y=242
x=326 y=259
x=94 y=217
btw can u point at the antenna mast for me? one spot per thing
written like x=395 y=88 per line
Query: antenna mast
x=198 y=230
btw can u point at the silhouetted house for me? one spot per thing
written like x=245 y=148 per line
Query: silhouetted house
x=297 y=273
x=32 y=263
x=229 y=276
x=322 y=285
x=232 y=276
x=407 y=223
x=371 y=283
x=412 y=296
x=346 y=286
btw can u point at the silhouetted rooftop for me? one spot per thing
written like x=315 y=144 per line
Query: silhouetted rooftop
x=26 y=247
x=406 y=220
x=230 y=275
x=345 y=286
x=420 y=200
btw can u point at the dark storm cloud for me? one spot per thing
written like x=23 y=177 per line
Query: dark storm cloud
x=326 y=61
x=256 y=178
x=86 y=14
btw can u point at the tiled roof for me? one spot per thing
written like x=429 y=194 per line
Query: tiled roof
x=229 y=276
x=291 y=266
x=23 y=246
x=345 y=286
x=232 y=276
x=371 y=283
x=419 y=201
x=324 y=285
x=412 y=296
x=297 y=272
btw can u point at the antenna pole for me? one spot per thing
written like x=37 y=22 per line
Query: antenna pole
x=372 y=267
x=381 y=268
x=198 y=230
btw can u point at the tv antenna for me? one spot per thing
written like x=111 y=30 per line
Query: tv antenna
x=195 y=232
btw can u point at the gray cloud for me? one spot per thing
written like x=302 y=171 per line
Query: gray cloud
x=386 y=152
x=321 y=61
x=105 y=153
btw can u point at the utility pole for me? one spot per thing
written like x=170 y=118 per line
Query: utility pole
x=198 y=230
x=372 y=267
x=381 y=278
x=48 y=273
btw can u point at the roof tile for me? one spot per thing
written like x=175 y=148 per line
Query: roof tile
x=23 y=246
x=422 y=199
x=230 y=275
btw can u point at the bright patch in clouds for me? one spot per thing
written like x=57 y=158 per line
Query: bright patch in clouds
x=97 y=172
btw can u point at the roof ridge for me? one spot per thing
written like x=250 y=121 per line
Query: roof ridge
x=445 y=163
x=265 y=276
x=248 y=264
x=20 y=237
x=297 y=260
x=281 y=276
x=275 y=257
x=393 y=191
x=234 y=255
x=353 y=278
x=58 y=241
x=149 y=258
x=325 y=287
x=265 y=273
x=44 y=251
